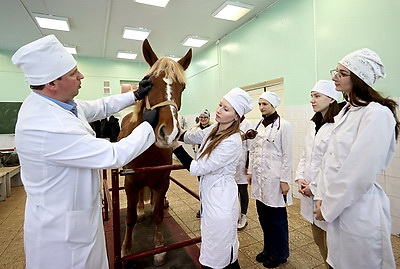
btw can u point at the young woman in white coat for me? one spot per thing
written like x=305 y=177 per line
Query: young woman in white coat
x=204 y=122
x=60 y=158
x=241 y=174
x=216 y=164
x=269 y=171
x=324 y=101
x=362 y=145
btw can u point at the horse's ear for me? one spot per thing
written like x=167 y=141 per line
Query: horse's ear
x=148 y=53
x=185 y=60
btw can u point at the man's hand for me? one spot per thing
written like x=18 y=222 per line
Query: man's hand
x=285 y=187
x=145 y=86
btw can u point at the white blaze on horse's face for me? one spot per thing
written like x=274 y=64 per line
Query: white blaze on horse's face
x=175 y=131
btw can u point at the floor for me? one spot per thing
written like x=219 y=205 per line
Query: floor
x=183 y=207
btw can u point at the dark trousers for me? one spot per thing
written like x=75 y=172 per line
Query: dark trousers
x=234 y=265
x=243 y=198
x=274 y=224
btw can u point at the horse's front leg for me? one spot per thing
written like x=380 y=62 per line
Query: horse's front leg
x=158 y=216
x=131 y=218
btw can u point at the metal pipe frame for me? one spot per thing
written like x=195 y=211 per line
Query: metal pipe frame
x=115 y=207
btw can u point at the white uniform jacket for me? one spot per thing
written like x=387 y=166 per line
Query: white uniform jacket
x=354 y=205
x=271 y=162
x=219 y=198
x=60 y=157
x=310 y=168
x=241 y=175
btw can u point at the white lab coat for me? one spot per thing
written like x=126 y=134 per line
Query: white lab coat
x=241 y=175
x=354 y=205
x=310 y=168
x=60 y=157
x=219 y=200
x=270 y=163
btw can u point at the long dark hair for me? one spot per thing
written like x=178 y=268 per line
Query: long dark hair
x=362 y=94
x=333 y=109
x=216 y=137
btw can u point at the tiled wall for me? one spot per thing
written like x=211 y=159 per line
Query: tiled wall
x=299 y=117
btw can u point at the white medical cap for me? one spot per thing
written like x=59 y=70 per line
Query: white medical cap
x=272 y=98
x=205 y=112
x=240 y=100
x=43 y=60
x=328 y=88
x=365 y=64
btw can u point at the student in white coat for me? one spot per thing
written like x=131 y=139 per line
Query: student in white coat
x=362 y=145
x=324 y=101
x=60 y=158
x=241 y=174
x=216 y=164
x=270 y=168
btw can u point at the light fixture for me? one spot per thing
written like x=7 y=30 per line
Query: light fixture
x=126 y=55
x=157 y=3
x=194 y=41
x=51 y=22
x=175 y=58
x=71 y=49
x=232 y=11
x=135 y=33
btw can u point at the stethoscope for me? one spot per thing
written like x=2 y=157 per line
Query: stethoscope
x=272 y=126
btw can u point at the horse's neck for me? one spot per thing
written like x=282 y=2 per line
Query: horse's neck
x=131 y=121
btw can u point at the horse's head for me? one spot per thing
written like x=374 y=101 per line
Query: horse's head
x=169 y=81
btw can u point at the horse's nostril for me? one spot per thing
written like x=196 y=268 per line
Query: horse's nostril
x=161 y=131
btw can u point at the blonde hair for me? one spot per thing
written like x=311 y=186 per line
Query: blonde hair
x=216 y=137
x=172 y=70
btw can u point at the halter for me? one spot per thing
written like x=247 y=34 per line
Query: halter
x=164 y=103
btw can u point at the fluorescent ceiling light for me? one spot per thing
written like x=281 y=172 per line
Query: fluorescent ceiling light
x=70 y=49
x=232 y=11
x=175 y=58
x=52 y=22
x=126 y=55
x=135 y=33
x=157 y=3
x=194 y=41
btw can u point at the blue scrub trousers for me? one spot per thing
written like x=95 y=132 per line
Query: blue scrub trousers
x=274 y=223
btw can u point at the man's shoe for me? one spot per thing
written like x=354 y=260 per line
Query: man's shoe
x=273 y=263
x=198 y=214
x=262 y=257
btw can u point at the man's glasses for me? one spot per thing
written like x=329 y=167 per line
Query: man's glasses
x=336 y=73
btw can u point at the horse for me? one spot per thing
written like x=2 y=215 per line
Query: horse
x=169 y=81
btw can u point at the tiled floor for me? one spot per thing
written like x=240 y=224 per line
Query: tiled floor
x=183 y=207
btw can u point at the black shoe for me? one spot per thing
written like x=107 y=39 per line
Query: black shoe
x=273 y=263
x=198 y=214
x=262 y=257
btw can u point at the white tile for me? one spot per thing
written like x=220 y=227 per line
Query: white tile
x=395 y=225
x=392 y=187
x=393 y=169
x=394 y=206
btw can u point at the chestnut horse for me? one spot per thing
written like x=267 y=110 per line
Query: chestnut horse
x=168 y=84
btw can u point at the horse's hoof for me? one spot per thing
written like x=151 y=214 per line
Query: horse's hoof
x=160 y=259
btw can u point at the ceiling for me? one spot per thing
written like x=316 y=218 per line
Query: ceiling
x=97 y=25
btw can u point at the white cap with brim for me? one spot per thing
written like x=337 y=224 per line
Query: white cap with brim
x=328 y=88
x=239 y=100
x=272 y=98
x=43 y=60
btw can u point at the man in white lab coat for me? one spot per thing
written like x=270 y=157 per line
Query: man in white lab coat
x=60 y=157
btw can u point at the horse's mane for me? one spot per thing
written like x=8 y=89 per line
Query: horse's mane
x=172 y=70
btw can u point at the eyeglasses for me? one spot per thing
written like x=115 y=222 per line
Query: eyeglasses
x=336 y=73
